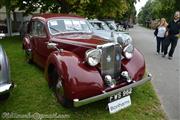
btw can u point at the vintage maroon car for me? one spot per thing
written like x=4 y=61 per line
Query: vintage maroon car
x=82 y=68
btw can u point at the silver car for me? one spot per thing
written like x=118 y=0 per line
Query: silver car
x=5 y=82
x=101 y=29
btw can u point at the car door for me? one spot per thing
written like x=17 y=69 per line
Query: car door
x=39 y=42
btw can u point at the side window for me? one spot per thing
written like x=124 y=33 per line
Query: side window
x=37 y=29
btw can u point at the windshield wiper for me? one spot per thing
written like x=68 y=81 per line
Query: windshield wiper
x=74 y=28
x=54 y=29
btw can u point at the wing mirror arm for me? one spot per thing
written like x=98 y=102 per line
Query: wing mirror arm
x=51 y=45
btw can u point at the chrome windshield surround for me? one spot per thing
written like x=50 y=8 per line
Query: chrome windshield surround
x=72 y=31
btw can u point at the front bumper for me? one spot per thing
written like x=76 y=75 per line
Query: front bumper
x=5 y=87
x=78 y=103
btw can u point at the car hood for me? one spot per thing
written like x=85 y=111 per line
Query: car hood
x=103 y=34
x=80 y=39
x=107 y=34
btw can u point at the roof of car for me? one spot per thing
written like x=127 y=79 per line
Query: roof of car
x=46 y=16
x=96 y=21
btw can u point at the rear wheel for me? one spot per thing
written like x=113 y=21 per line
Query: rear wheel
x=58 y=89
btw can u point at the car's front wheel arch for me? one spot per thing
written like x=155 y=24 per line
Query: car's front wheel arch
x=56 y=83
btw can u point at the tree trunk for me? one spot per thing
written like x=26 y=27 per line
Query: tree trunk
x=15 y=20
x=9 y=23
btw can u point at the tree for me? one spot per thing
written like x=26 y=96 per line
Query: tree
x=156 y=9
x=10 y=5
x=114 y=9
x=86 y=8
x=8 y=20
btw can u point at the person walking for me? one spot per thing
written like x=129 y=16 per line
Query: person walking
x=161 y=30
x=125 y=26
x=172 y=37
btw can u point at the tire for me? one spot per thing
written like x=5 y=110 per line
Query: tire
x=58 y=89
x=28 y=55
x=4 y=96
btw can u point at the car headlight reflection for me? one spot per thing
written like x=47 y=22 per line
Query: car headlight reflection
x=93 y=57
x=128 y=51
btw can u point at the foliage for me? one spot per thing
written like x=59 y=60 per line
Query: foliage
x=88 y=8
x=156 y=9
x=11 y=5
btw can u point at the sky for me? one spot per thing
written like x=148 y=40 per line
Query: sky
x=139 y=5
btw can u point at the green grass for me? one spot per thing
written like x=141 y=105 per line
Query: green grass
x=32 y=94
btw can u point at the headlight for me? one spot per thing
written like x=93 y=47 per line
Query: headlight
x=93 y=56
x=128 y=51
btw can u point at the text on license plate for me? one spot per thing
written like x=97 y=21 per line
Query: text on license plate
x=119 y=104
x=120 y=94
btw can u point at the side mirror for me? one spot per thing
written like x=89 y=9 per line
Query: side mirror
x=52 y=46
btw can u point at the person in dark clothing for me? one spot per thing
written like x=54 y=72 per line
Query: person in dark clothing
x=172 y=37
x=125 y=26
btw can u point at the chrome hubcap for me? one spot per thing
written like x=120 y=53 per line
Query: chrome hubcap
x=59 y=87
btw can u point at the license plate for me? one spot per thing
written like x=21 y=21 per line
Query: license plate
x=119 y=104
x=120 y=95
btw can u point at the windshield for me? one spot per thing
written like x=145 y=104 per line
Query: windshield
x=99 y=26
x=112 y=25
x=57 y=26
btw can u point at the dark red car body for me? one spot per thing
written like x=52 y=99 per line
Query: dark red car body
x=80 y=80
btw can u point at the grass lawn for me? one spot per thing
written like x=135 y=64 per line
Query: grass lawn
x=32 y=94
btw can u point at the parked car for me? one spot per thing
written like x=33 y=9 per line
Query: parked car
x=113 y=26
x=101 y=29
x=5 y=81
x=80 y=67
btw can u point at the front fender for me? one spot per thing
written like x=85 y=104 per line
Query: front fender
x=79 y=79
x=135 y=66
x=4 y=67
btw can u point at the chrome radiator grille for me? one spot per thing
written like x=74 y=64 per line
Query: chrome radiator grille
x=111 y=60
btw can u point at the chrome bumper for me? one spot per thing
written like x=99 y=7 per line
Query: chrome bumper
x=78 y=103
x=5 y=87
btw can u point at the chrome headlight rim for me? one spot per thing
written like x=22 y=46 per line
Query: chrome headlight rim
x=124 y=39
x=128 y=51
x=93 y=57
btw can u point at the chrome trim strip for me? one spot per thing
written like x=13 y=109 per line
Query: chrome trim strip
x=107 y=44
x=78 y=103
x=76 y=43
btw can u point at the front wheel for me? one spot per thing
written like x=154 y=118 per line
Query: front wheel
x=58 y=88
